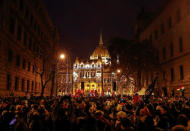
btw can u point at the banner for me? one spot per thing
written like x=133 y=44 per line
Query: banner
x=149 y=90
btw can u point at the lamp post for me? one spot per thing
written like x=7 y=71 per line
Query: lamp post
x=58 y=67
x=63 y=56
x=102 y=78
x=118 y=82
x=67 y=77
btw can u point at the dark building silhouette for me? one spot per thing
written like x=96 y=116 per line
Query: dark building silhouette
x=27 y=36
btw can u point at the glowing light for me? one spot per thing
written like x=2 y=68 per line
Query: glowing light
x=98 y=74
x=81 y=65
x=118 y=71
x=62 y=56
x=87 y=65
x=106 y=61
x=74 y=73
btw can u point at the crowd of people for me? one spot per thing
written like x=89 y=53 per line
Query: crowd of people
x=94 y=114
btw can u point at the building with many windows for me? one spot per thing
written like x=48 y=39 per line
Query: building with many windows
x=94 y=75
x=27 y=34
x=169 y=31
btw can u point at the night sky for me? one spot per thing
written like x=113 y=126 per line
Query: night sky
x=80 y=21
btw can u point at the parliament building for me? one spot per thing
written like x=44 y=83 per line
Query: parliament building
x=94 y=75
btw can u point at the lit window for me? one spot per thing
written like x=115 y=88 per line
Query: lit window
x=87 y=65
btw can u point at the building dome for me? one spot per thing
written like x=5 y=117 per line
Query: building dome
x=101 y=52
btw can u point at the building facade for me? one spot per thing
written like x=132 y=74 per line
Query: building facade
x=27 y=34
x=94 y=75
x=169 y=32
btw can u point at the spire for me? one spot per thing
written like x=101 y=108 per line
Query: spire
x=77 y=60
x=101 y=40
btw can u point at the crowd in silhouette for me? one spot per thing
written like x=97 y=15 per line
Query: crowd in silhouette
x=94 y=114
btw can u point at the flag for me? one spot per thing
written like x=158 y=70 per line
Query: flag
x=76 y=92
x=181 y=88
x=136 y=98
x=149 y=90
x=103 y=93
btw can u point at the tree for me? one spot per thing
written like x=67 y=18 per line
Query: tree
x=45 y=66
x=135 y=57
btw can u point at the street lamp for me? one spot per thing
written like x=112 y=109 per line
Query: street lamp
x=58 y=68
x=118 y=82
x=62 y=56
x=118 y=71
x=67 y=76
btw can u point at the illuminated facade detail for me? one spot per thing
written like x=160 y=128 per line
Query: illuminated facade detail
x=118 y=59
x=90 y=75
x=101 y=52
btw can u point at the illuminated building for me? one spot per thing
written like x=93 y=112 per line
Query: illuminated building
x=169 y=31
x=94 y=74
